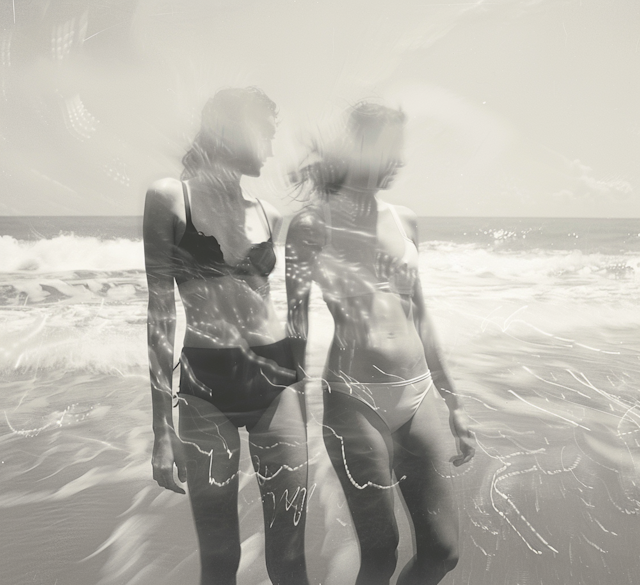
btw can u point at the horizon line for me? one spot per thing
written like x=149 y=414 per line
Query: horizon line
x=292 y=214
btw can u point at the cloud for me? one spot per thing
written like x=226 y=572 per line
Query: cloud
x=584 y=185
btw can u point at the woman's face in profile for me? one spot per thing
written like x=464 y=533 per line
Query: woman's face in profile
x=250 y=145
x=376 y=161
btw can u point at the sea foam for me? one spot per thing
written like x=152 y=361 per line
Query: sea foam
x=69 y=252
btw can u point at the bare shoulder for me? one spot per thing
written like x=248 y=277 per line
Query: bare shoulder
x=406 y=213
x=163 y=206
x=164 y=192
x=409 y=220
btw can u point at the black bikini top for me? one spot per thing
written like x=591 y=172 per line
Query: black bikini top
x=198 y=256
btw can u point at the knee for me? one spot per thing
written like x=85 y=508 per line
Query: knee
x=379 y=556
x=444 y=555
x=220 y=565
x=287 y=567
x=449 y=556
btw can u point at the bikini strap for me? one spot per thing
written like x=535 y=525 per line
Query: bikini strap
x=326 y=212
x=187 y=203
x=396 y=218
x=266 y=218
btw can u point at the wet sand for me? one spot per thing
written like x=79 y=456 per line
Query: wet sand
x=551 y=497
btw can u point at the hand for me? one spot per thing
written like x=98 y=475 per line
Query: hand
x=167 y=451
x=459 y=423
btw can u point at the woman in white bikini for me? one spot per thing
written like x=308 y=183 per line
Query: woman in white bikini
x=384 y=376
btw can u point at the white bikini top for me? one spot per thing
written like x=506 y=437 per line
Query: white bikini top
x=342 y=278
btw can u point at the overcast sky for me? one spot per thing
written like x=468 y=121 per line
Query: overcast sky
x=515 y=107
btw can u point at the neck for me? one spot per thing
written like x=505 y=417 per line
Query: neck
x=221 y=176
x=359 y=185
x=359 y=193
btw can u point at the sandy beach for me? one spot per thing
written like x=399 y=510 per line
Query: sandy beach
x=543 y=348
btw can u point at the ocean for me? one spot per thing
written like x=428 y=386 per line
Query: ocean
x=538 y=320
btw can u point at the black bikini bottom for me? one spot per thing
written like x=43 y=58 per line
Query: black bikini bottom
x=240 y=382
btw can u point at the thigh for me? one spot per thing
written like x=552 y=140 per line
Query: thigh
x=421 y=452
x=212 y=450
x=283 y=421
x=360 y=448
x=278 y=445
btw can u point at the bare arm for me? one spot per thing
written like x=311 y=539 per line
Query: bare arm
x=158 y=235
x=303 y=244
x=458 y=419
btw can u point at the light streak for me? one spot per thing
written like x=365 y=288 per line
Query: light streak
x=549 y=412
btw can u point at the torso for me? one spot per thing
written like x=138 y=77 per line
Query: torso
x=227 y=304
x=367 y=277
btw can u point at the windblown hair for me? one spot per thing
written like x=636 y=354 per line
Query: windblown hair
x=324 y=169
x=229 y=110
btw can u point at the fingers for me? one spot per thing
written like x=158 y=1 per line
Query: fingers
x=462 y=459
x=467 y=451
x=182 y=472
x=164 y=478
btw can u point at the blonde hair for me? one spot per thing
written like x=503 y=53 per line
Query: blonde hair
x=324 y=169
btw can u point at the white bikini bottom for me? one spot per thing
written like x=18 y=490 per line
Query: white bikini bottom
x=394 y=402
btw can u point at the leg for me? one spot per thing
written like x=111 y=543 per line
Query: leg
x=212 y=445
x=360 y=448
x=427 y=494
x=278 y=444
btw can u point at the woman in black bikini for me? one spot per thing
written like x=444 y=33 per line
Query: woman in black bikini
x=383 y=369
x=236 y=364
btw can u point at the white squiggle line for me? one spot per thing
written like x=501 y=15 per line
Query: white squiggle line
x=467 y=469
x=549 y=412
x=470 y=397
x=277 y=444
x=283 y=386
x=622 y=419
x=350 y=383
x=310 y=493
x=509 y=319
x=387 y=374
x=264 y=478
x=24 y=395
x=571 y=470
x=35 y=432
x=612 y=469
x=515 y=508
x=484 y=449
x=483 y=325
x=596 y=349
x=503 y=515
x=500 y=476
x=212 y=480
x=603 y=528
x=588 y=384
x=202 y=387
x=564 y=469
x=593 y=544
x=572 y=341
x=555 y=383
x=290 y=503
x=346 y=467
x=484 y=551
